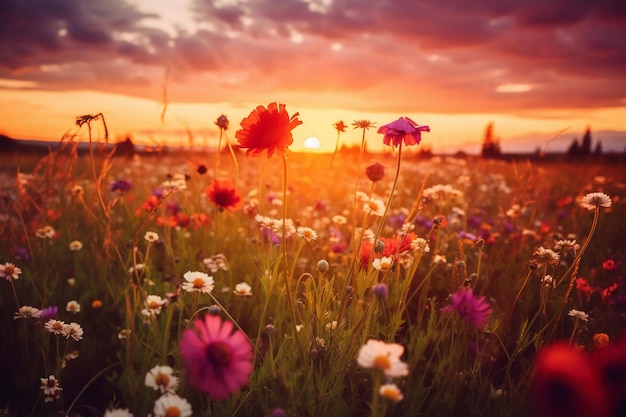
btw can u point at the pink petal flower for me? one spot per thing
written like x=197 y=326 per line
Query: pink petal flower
x=217 y=357
x=403 y=129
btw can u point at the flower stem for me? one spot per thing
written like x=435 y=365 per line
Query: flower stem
x=292 y=307
x=574 y=267
x=393 y=189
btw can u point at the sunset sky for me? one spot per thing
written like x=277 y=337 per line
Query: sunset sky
x=529 y=66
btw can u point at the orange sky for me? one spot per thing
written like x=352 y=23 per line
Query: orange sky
x=532 y=68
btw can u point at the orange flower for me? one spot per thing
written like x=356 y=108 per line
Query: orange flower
x=224 y=195
x=267 y=129
x=600 y=340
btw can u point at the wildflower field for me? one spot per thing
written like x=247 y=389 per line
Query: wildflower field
x=262 y=282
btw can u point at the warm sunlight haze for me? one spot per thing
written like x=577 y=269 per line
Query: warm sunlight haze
x=311 y=143
x=162 y=72
x=279 y=208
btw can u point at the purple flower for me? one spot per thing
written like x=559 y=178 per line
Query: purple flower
x=173 y=208
x=271 y=236
x=474 y=310
x=402 y=129
x=278 y=412
x=48 y=313
x=22 y=253
x=158 y=192
x=121 y=185
x=381 y=291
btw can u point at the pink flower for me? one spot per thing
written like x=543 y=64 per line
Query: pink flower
x=403 y=128
x=474 y=310
x=217 y=358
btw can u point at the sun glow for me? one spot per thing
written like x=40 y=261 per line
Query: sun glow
x=311 y=143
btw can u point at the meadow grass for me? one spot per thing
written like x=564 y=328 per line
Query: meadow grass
x=316 y=295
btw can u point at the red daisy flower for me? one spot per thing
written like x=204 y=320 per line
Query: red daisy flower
x=403 y=128
x=224 y=195
x=217 y=358
x=340 y=126
x=267 y=129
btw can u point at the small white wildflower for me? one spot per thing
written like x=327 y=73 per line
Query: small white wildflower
x=26 y=312
x=55 y=326
x=374 y=207
x=76 y=245
x=161 y=378
x=592 y=200
x=421 y=245
x=440 y=259
x=151 y=237
x=72 y=306
x=307 y=233
x=198 y=281
x=548 y=281
x=391 y=392
x=578 y=314
x=331 y=326
x=73 y=330
x=382 y=264
x=10 y=271
x=243 y=289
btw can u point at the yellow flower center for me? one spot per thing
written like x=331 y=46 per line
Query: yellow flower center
x=382 y=362
x=198 y=283
x=162 y=379
x=173 y=411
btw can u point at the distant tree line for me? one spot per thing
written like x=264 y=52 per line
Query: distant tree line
x=583 y=149
x=491 y=146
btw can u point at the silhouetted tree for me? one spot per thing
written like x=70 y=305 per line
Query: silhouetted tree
x=597 y=151
x=585 y=147
x=7 y=144
x=491 y=145
x=574 y=149
x=125 y=148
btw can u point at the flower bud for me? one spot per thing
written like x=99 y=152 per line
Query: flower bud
x=375 y=172
x=214 y=310
x=322 y=265
x=381 y=291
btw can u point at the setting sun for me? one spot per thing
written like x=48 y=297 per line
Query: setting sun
x=311 y=143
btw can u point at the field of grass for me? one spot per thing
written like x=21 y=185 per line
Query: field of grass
x=104 y=246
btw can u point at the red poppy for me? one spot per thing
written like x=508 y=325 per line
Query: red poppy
x=606 y=293
x=224 y=195
x=566 y=383
x=609 y=265
x=583 y=287
x=267 y=129
x=393 y=246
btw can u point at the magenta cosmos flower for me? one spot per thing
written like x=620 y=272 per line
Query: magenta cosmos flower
x=474 y=310
x=217 y=358
x=402 y=129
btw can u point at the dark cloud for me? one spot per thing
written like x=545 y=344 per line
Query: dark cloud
x=437 y=53
x=42 y=32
